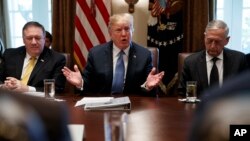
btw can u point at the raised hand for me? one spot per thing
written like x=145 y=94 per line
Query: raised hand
x=73 y=77
x=154 y=79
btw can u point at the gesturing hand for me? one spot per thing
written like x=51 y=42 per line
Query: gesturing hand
x=154 y=79
x=73 y=77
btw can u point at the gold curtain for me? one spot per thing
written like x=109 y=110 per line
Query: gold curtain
x=63 y=25
x=197 y=14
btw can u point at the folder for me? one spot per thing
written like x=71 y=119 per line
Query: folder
x=120 y=103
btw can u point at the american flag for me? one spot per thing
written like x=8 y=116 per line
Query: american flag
x=158 y=7
x=91 y=27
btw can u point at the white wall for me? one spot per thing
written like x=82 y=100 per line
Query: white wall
x=140 y=18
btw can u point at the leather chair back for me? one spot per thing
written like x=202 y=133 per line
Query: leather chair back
x=68 y=59
x=155 y=56
x=68 y=87
x=181 y=58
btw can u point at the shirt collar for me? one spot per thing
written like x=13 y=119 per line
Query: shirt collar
x=209 y=57
x=116 y=50
x=28 y=56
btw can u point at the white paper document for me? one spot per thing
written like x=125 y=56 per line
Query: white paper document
x=76 y=132
x=38 y=94
x=120 y=103
x=87 y=100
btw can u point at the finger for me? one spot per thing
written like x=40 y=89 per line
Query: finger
x=9 y=78
x=153 y=71
x=7 y=81
x=66 y=74
x=76 y=68
x=161 y=74
x=66 y=69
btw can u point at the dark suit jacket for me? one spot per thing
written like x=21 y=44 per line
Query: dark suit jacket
x=48 y=66
x=195 y=68
x=98 y=73
x=248 y=59
x=235 y=89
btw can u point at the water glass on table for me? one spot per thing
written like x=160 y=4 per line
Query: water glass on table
x=191 y=91
x=115 y=125
x=49 y=88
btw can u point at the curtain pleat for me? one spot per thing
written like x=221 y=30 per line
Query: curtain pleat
x=197 y=14
x=63 y=13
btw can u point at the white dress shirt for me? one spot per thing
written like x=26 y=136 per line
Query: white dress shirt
x=219 y=64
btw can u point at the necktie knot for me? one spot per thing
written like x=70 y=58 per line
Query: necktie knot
x=32 y=59
x=121 y=53
x=214 y=59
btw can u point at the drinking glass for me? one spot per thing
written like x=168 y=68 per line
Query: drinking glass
x=49 y=88
x=115 y=124
x=191 y=91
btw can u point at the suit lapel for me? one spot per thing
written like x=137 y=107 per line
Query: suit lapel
x=109 y=63
x=132 y=63
x=21 y=57
x=226 y=63
x=41 y=61
x=202 y=71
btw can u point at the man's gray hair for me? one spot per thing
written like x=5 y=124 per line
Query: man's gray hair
x=218 y=24
x=121 y=17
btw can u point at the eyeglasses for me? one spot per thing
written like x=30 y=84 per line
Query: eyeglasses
x=30 y=38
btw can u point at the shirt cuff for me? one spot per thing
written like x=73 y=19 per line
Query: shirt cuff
x=31 y=89
x=81 y=87
x=144 y=86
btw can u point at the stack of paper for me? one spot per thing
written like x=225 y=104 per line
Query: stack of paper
x=38 y=94
x=105 y=103
x=87 y=100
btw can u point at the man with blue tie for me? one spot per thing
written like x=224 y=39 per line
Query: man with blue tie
x=118 y=66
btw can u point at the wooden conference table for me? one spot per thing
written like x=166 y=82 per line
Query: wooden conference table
x=150 y=119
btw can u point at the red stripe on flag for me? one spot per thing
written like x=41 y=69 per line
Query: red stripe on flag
x=104 y=11
x=83 y=34
x=90 y=31
x=156 y=8
x=92 y=21
x=79 y=54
